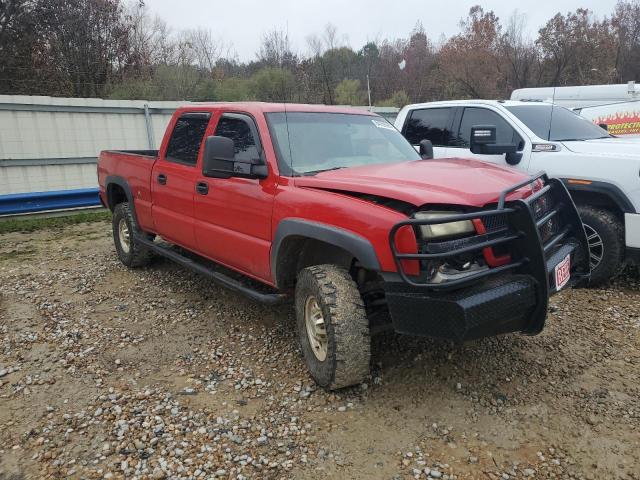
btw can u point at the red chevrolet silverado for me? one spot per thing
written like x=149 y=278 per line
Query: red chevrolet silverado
x=333 y=208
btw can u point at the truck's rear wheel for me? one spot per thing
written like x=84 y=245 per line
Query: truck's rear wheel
x=130 y=252
x=332 y=326
x=606 y=243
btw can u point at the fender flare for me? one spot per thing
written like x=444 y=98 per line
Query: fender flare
x=358 y=246
x=122 y=183
x=603 y=188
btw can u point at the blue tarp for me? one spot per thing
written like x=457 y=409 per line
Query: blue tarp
x=16 y=203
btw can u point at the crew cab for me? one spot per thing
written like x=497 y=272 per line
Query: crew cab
x=333 y=209
x=602 y=172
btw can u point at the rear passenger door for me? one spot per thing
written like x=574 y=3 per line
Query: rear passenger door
x=505 y=133
x=173 y=180
x=433 y=124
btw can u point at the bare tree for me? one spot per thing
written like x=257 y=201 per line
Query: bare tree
x=275 y=50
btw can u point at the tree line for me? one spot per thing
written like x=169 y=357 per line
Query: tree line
x=110 y=49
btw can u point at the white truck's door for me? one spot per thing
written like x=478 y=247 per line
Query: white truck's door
x=433 y=124
x=505 y=131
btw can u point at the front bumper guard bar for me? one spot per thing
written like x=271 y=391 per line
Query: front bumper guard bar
x=526 y=233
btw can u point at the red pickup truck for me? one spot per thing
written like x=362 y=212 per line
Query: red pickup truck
x=333 y=208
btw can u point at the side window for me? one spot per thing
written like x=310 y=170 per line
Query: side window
x=429 y=124
x=505 y=133
x=237 y=128
x=186 y=138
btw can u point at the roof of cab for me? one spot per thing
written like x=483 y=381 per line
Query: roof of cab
x=451 y=103
x=263 y=107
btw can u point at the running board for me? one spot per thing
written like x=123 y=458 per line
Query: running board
x=217 y=277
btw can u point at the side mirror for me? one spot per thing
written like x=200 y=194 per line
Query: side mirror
x=481 y=137
x=219 y=161
x=426 y=149
x=483 y=141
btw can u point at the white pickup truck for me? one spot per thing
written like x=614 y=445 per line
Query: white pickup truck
x=602 y=172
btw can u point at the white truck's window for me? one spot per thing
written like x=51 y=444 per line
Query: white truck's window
x=429 y=124
x=186 y=138
x=564 y=125
x=482 y=116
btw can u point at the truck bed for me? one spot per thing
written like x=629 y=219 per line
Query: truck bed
x=133 y=168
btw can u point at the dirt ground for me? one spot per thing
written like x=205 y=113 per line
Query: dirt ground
x=107 y=372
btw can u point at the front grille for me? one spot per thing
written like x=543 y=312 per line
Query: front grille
x=495 y=223
x=510 y=232
x=543 y=205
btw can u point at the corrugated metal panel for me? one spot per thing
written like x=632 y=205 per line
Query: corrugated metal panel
x=68 y=133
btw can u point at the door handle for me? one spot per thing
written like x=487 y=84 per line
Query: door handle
x=162 y=179
x=202 y=188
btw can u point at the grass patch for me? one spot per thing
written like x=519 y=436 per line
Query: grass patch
x=33 y=224
x=16 y=254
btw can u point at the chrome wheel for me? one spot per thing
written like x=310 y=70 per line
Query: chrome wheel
x=123 y=236
x=596 y=247
x=316 y=328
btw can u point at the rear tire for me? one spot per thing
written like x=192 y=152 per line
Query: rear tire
x=605 y=235
x=333 y=328
x=129 y=250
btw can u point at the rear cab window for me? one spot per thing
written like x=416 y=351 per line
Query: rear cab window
x=186 y=138
x=429 y=124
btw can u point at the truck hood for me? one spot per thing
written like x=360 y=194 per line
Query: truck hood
x=453 y=181
x=606 y=147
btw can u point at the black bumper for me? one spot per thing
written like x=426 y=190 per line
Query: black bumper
x=509 y=298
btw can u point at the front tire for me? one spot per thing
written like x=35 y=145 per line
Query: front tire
x=333 y=328
x=605 y=235
x=129 y=250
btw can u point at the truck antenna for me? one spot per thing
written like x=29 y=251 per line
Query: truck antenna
x=553 y=105
x=286 y=121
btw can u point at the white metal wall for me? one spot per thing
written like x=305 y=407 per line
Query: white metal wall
x=51 y=143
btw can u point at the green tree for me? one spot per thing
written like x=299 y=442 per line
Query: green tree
x=348 y=92
x=273 y=85
x=398 y=99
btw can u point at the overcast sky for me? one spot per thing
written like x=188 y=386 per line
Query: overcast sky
x=243 y=22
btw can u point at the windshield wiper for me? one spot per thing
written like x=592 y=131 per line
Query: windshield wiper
x=313 y=172
x=569 y=140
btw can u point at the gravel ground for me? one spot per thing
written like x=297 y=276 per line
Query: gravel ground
x=156 y=373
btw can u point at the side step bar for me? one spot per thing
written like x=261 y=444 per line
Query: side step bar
x=217 y=277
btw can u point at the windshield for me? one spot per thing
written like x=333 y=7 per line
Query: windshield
x=565 y=124
x=308 y=143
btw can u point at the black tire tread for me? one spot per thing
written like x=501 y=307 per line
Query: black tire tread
x=611 y=231
x=138 y=256
x=350 y=359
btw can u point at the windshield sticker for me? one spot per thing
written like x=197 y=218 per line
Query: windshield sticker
x=383 y=124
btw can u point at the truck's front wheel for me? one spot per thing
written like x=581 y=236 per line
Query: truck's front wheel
x=606 y=243
x=332 y=326
x=129 y=250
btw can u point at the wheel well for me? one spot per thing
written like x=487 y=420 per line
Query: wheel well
x=115 y=195
x=597 y=199
x=297 y=252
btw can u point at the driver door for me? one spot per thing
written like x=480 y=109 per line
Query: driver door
x=505 y=133
x=233 y=215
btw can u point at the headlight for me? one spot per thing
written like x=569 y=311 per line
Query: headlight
x=439 y=230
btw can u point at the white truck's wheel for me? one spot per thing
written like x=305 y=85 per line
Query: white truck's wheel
x=605 y=235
